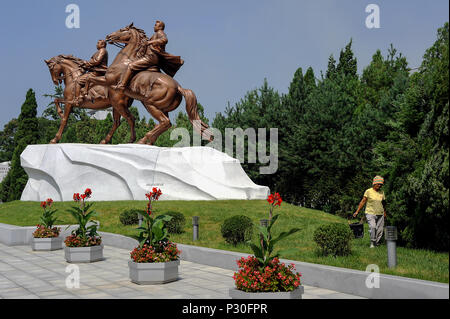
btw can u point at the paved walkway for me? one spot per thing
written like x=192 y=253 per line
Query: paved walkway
x=28 y=274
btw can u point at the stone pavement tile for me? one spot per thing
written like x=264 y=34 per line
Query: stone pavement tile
x=63 y=296
x=27 y=296
x=107 y=286
x=122 y=291
x=307 y=296
x=83 y=290
x=40 y=289
x=213 y=296
x=14 y=292
x=99 y=295
x=59 y=283
x=33 y=283
x=8 y=284
x=172 y=295
x=5 y=267
x=317 y=291
x=187 y=290
x=136 y=295
x=51 y=293
x=149 y=297
x=340 y=295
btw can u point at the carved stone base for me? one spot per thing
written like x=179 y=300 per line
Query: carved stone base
x=128 y=171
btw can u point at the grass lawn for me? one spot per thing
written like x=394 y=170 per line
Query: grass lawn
x=415 y=263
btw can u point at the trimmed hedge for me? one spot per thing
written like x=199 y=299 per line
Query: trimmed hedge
x=130 y=216
x=334 y=239
x=176 y=224
x=237 y=229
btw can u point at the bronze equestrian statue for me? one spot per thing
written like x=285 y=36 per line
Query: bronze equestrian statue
x=154 y=58
x=67 y=69
x=158 y=92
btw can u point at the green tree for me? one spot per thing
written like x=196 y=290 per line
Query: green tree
x=7 y=144
x=27 y=133
x=414 y=158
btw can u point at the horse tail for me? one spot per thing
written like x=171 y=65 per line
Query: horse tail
x=192 y=111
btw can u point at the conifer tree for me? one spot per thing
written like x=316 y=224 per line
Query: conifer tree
x=27 y=133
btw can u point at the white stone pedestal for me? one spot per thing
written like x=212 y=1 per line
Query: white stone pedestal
x=128 y=171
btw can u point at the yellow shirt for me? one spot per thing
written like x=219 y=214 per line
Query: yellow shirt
x=373 y=204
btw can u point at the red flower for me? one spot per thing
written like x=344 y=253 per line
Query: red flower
x=76 y=197
x=274 y=199
x=154 y=194
x=43 y=204
x=49 y=202
x=83 y=196
x=278 y=199
x=88 y=192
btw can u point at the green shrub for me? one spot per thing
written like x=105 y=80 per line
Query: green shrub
x=334 y=239
x=176 y=224
x=237 y=229
x=130 y=217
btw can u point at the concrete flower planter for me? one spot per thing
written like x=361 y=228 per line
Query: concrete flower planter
x=239 y=294
x=83 y=254
x=153 y=273
x=52 y=243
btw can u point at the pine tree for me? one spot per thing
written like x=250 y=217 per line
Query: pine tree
x=27 y=133
x=7 y=145
x=347 y=62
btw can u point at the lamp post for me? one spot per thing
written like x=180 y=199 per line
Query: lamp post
x=391 y=243
x=140 y=218
x=195 y=227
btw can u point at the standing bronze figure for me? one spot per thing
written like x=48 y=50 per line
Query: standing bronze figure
x=158 y=92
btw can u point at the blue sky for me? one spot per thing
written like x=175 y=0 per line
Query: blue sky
x=229 y=47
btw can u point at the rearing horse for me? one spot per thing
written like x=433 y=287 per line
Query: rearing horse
x=158 y=92
x=67 y=68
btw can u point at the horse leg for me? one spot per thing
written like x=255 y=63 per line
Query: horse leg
x=63 y=124
x=121 y=105
x=116 y=124
x=58 y=108
x=164 y=125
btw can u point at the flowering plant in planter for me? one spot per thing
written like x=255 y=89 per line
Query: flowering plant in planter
x=263 y=272
x=83 y=236
x=274 y=277
x=154 y=245
x=45 y=229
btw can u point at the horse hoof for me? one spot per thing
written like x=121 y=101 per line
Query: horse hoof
x=54 y=141
x=141 y=141
x=103 y=142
